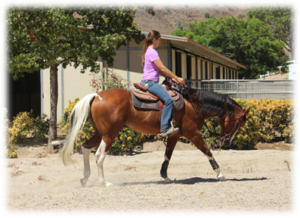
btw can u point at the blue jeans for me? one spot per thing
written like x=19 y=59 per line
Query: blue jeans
x=157 y=90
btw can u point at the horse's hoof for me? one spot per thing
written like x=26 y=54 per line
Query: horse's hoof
x=167 y=180
x=221 y=177
x=83 y=182
x=108 y=184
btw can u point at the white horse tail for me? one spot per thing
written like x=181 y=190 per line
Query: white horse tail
x=77 y=119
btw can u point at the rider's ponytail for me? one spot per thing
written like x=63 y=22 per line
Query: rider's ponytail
x=153 y=34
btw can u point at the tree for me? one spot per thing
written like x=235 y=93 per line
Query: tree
x=41 y=38
x=207 y=15
x=178 y=25
x=280 y=19
x=248 y=42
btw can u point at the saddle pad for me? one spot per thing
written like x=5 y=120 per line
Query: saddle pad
x=146 y=104
x=155 y=105
x=150 y=97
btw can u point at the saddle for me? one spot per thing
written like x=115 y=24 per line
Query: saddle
x=141 y=98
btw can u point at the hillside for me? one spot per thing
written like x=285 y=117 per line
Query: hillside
x=166 y=17
x=167 y=14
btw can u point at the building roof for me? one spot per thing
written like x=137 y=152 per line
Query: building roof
x=189 y=44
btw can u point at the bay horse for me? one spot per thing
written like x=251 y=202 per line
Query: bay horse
x=112 y=109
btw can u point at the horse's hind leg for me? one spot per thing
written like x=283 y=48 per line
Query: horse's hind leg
x=86 y=150
x=168 y=153
x=101 y=152
x=199 y=143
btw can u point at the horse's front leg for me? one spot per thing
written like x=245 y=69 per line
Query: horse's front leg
x=168 y=153
x=199 y=143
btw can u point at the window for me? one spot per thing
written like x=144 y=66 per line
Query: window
x=178 y=64
x=189 y=67
x=217 y=72
x=206 y=70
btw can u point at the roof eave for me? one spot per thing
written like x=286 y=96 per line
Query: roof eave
x=213 y=52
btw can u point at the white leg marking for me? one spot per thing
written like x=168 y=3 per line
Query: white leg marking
x=86 y=168
x=100 y=156
x=220 y=175
x=166 y=158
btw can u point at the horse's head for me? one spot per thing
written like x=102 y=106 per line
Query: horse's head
x=232 y=123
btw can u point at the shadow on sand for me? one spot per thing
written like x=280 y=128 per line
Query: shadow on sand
x=190 y=181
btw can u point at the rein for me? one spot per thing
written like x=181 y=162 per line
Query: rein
x=221 y=138
x=198 y=114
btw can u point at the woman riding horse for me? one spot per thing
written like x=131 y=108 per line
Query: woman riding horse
x=112 y=109
x=153 y=66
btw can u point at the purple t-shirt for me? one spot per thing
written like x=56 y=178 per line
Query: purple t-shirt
x=150 y=69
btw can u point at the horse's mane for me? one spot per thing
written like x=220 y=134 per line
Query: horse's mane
x=213 y=103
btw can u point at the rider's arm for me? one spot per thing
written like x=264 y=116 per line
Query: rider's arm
x=166 y=72
x=161 y=73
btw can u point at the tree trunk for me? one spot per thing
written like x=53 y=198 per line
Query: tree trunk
x=53 y=105
x=106 y=66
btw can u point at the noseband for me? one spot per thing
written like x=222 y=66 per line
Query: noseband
x=237 y=124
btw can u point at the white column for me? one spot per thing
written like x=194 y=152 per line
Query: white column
x=221 y=72
x=194 y=69
x=199 y=70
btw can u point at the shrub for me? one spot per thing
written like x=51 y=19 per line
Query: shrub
x=267 y=121
x=23 y=125
x=127 y=141
x=291 y=132
x=275 y=117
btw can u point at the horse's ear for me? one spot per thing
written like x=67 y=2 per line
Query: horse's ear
x=244 y=108
x=246 y=112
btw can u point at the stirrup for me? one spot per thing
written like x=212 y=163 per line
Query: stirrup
x=169 y=132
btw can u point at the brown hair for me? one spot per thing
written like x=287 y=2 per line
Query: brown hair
x=153 y=34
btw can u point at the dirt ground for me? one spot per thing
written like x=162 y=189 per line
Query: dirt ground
x=256 y=180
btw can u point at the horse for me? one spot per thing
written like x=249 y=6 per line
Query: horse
x=111 y=109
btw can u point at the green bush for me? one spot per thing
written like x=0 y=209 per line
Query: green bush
x=267 y=121
x=24 y=125
x=127 y=141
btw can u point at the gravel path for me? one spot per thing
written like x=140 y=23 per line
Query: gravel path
x=257 y=180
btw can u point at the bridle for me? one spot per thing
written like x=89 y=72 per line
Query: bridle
x=236 y=125
x=221 y=138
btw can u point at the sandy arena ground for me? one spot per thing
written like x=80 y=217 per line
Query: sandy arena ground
x=257 y=180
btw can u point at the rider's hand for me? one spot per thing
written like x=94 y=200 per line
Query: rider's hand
x=174 y=80
x=180 y=81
